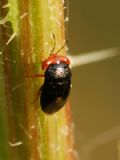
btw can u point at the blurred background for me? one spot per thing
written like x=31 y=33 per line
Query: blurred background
x=94 y=26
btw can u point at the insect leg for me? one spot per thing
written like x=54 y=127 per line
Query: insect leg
x=34 y=76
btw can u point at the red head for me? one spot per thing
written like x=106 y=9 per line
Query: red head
x=54 y=59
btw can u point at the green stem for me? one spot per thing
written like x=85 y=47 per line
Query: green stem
x=31 y=133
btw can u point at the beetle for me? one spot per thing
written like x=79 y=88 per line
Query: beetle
x=57 y=82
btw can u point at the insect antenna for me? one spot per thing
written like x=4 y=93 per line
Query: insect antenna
x=62 y=47
x=54 y=44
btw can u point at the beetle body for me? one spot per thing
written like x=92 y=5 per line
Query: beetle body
x=57 y=82
x=56 y=87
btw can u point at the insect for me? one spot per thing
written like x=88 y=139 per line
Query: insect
x=57 y=82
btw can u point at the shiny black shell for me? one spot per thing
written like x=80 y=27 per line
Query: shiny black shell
x=56 y=87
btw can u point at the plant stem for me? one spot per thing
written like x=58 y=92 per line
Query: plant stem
x=31 y=133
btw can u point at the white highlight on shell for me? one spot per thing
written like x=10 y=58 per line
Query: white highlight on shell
x=59 y=71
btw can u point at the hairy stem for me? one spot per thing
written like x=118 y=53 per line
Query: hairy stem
x=27 y=37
